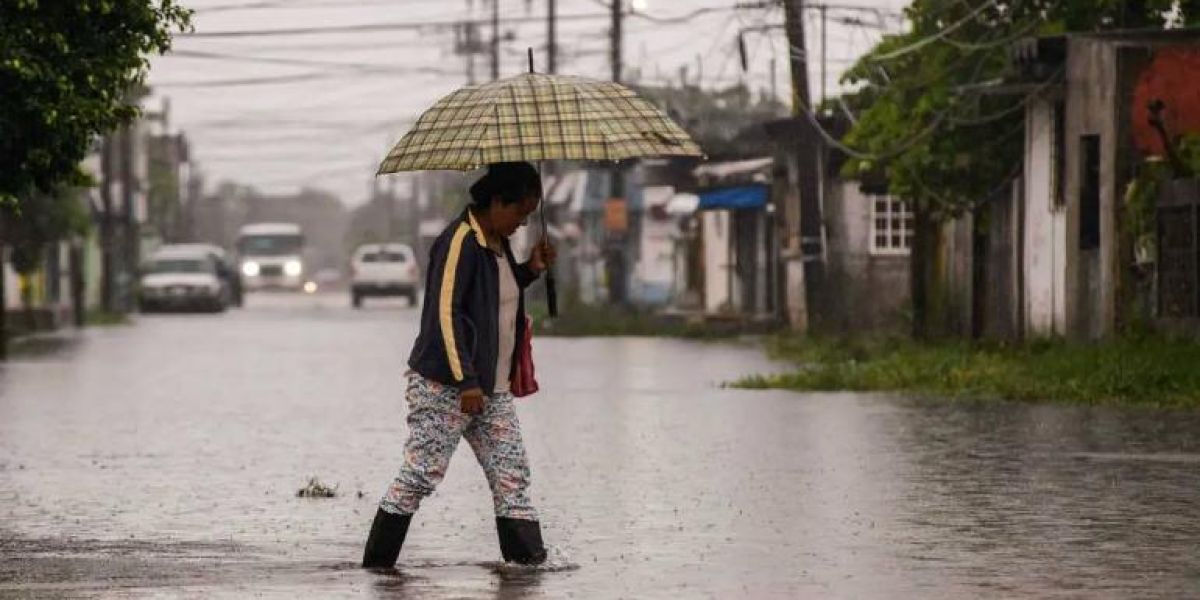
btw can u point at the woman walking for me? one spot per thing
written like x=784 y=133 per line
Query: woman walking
x=462 y=364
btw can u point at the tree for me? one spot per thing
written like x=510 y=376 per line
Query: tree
x=65 y=70
x=924 y=123
x=41 y=220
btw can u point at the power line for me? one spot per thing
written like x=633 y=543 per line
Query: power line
x=433 y=24
x=378 y=27
x=996 y=116
x=282 y=79
x=340 y=46
x=297 y=4
x=1006 y=41
x=921 y=43
x=364 y=67
x=698 y=12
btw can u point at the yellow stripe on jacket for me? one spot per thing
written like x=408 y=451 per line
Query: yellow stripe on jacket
x=446 y=300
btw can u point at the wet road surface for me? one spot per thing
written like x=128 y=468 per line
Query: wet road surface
x=163 y=459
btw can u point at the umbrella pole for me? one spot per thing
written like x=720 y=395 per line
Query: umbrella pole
x=551 y=291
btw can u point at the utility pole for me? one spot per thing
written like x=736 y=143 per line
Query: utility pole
x=391 y=210
x=131 y=234
x=803 y=278
x=466 y=44
x=472 y=36
x=107 y=242
x=4 y=218
x=824 y=45
x=616 y=40
x=615 y=261
x=495 y=40
x=774 y=86
x=551 y=36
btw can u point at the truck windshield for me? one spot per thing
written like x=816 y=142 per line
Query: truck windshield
x=269 y=245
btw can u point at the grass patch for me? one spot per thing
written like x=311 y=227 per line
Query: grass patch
x=580 y=320
x=1145 y=371
x=101 y=318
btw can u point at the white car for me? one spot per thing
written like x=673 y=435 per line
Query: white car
x=182 y=279
x=384 y=270
x=226 y=268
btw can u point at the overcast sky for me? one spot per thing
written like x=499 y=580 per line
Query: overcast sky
x=280 y=108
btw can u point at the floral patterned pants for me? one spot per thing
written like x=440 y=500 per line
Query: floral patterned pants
x=435 y=423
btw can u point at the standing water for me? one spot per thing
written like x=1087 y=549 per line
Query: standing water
x=165 y=458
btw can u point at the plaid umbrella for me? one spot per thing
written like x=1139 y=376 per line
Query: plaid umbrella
x=535 y=117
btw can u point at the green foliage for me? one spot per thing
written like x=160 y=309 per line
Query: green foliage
x=68 y=70
x=40 y=219
x=1189 y=152
x=924 y=119
x=101 y=318
x=1141 y=370
x=1141 y=196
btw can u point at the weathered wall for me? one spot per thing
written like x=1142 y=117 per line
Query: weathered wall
x=862 y=292
x=1001 y=292
x=1044 y=306
x=1091 y=94
x=718 y=261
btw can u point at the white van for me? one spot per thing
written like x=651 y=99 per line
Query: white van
x=384 y=270
x=271 y=255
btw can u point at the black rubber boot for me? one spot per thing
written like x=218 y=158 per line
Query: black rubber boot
x=521 y=541
x=387 y=536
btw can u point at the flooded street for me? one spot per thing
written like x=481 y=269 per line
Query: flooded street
x=164 y=459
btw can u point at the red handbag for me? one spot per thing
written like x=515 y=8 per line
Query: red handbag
x=523 y=382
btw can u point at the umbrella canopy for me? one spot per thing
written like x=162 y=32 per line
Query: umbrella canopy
x=535 y=117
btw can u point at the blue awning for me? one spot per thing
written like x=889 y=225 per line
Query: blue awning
x=743 y=196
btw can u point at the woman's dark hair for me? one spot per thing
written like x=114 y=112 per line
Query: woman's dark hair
x=511 y=181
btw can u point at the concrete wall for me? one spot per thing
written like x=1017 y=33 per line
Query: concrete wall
x=652 y=276
x=1092 y=95
x=1000 y=281
x=717 y=229
x=862 y=292
x=1044 y=303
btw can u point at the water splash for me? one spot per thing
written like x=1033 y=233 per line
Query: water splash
x=556 y=561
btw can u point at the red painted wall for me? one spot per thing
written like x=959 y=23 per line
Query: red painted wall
x=1174 y=77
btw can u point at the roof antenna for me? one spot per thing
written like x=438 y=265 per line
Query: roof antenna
x=530 y=59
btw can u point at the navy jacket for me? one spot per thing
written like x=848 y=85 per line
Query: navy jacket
x=460 y=337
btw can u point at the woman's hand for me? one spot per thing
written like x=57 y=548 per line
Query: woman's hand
x=542 y=257
x=472 y=401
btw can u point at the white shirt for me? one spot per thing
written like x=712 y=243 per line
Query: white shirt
x=510 y=297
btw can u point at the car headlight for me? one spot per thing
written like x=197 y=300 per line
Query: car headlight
x=293 y=268
x=250 y=269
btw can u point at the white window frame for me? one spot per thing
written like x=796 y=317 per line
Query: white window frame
x=898 y=220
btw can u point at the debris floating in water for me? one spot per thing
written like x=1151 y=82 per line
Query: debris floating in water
x=316 y=489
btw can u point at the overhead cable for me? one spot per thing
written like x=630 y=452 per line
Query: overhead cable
x=373 y=27
x=367 y=67
x=921 y=43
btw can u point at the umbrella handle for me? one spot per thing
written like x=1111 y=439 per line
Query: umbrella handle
x=551 y=294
